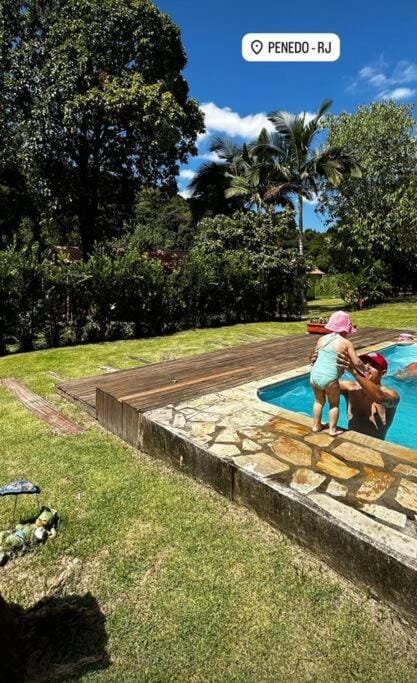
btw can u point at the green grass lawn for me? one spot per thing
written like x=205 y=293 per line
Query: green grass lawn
x=399 y=314
x=192 y=587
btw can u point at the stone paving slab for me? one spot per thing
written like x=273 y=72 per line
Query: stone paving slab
x=334 y=467
x=381 y=533
x=359 y=454
x=263 y=465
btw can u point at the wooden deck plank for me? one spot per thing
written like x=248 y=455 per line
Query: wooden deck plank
x=37 y=405
x=158 y=384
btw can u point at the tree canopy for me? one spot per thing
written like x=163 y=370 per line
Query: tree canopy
x=280 y=168
x=160 y=221
x=374 y=217
x=94 y=107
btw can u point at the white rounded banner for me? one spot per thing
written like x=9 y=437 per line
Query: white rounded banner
x=291 y=47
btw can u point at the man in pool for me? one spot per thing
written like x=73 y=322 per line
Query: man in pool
x=371 y=407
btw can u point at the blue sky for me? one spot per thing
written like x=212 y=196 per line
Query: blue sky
x=378 y=60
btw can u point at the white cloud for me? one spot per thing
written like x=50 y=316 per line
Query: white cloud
x=391 y=80
x=187 y=174
x=201 y=137
x=224 y=120
x=185 y=194
x=209 y=156
x=404 y=72
x=397 y=94
x=317 y=197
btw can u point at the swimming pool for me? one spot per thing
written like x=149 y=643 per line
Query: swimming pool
x=296 y=395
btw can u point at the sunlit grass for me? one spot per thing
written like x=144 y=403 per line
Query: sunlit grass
x=193 y=588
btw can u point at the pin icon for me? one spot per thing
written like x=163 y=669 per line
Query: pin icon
x=257 y=46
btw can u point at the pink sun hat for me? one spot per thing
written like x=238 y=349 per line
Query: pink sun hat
x=340 y=322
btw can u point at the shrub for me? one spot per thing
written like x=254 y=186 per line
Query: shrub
x=366 y=288
x=328 y=287
x=10 y=285
x=251 y=275
x=237 y=271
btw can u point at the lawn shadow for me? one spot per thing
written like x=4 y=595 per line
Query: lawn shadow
x=58 y=639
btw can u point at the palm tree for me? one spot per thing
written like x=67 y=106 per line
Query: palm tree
x=209 y=185
x=255 y=174
x=239 y=178
x=297 y=168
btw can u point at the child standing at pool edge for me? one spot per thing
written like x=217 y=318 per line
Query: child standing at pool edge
x=324 y=376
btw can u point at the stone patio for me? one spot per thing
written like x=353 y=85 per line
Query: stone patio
x=378 y=481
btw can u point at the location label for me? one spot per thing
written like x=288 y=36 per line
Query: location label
x=291 y=47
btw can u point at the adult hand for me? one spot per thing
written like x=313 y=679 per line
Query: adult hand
x=313 y=357
x=343 y=362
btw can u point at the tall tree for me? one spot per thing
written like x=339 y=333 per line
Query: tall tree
x=97 y=107
x=374 y=218
x=296 y=166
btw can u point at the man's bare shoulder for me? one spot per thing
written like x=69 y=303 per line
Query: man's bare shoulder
x=392 y=396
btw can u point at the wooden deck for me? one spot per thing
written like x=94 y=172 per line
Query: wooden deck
x=56 y=421
x=153 y=386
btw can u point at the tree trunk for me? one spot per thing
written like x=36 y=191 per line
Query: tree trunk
x=87 y=199
x=301 y=247
x=87 y=215
x=300 y=225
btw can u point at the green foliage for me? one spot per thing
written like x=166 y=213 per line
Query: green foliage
x=95 y=108
x=10 y=282
x=281 y=168
x=296 y=165
x=21 y=300
x=17 y=214
x=328 y=287
x=64 y=288
x=366 y=288
x=245 y=232
x=209 y=187
x=237 y=271
x=316 y=248
x=374 y=217
x=250 y=275
x=160 y=221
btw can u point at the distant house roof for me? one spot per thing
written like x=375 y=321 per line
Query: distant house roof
x=168 y=258
x=316 y=271
x=68 y=253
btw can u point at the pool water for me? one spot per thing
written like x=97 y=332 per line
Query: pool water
x=296 y=394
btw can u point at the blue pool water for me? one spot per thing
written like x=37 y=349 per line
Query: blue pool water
x=295 y=394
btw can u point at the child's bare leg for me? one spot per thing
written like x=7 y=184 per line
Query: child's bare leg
x=333 y=396
x=319 y=401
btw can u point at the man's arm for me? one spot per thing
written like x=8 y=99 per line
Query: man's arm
x=347 y=385
x=375 y=392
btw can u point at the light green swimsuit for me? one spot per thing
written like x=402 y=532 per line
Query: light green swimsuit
x=325 y=370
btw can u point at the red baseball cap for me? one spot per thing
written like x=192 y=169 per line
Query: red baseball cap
x=375 y=359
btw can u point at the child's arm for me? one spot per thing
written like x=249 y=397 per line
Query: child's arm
x=354 y=357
